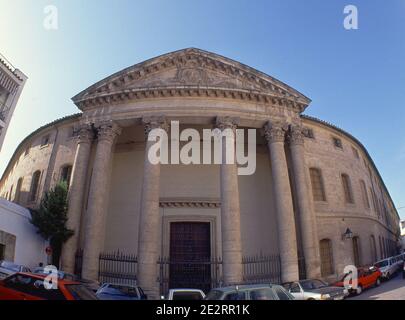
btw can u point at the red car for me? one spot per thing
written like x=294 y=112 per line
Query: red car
x=28 y=286
x=367 y=277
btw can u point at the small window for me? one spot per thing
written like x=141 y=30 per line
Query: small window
x=355 y=153
x=318 y=190
x=45 y=140
x=337 y=143
x=347 y=188
x=308 y=133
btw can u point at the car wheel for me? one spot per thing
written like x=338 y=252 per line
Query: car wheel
x=359 y=290
x=377 y=282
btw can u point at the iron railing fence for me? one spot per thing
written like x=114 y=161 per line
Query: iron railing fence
x=117 y=267
x=120 y=268
x=262 y=269
x=204 y=275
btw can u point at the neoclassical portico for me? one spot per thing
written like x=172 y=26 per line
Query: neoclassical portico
x=195 y=88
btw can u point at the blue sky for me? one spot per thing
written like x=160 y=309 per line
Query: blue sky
x=356 y=78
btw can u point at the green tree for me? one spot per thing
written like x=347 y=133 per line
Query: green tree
x=51 y=219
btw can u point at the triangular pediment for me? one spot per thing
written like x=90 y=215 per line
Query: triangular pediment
x=191 y=68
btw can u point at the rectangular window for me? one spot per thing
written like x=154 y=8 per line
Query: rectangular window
x=337 y=143
x=318 y=190
x=365 y=195
x=45 y=140
x=355 y=153
x=347 y=188
x=309 y=133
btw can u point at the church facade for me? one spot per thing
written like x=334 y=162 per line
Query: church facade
x=315 y=203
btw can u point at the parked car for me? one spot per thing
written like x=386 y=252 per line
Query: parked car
x=250 y=292
x=366 y=278
x=29 y=286
x=8 y=268
x=92 y=285
x=389 y=266
x=185 y=294
x=109 y=291
x=314 y=289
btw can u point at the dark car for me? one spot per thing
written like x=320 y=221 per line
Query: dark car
x=109 y=291
x=250 y=292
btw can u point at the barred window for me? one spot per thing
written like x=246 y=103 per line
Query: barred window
x=318 y=190
x=347 y=188
x=365 y=195
x=326 y=251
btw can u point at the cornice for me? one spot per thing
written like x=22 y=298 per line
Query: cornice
x=269 y=90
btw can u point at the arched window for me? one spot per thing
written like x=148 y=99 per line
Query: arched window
x=347 y=188
x=11 y=193
x=66 y=173
x=325 y=246
x=318 y=190
x=366 y=202
x=356 y=251
x=34 y=185
x=17 y=197
x=373 y=249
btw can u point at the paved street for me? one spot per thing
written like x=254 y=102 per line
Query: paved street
x=393 y=289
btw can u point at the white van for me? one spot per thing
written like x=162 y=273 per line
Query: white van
x=389 y=266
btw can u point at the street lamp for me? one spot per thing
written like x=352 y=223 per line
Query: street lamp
x=347 y=235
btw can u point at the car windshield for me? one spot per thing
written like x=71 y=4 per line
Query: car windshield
x=80 y=292
x=10 y=266
x=213 y=295
x=312 y=284
x=117 y=290
x=382 y=264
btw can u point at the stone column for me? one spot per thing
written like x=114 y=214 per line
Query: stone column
x=148 y=245
x=97 y=201
x=287 y=237
x=230 y=210
x=75 y=196
x=306 y=213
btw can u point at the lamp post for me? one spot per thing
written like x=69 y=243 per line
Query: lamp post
x=347 y=235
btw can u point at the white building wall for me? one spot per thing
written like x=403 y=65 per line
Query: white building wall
x=30 y=247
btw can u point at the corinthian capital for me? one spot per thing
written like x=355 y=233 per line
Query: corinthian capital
x=85 y=133
x=223 y=123
x=154 y=122
x=108 y=130
x=295 y=135
x=274 y=132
